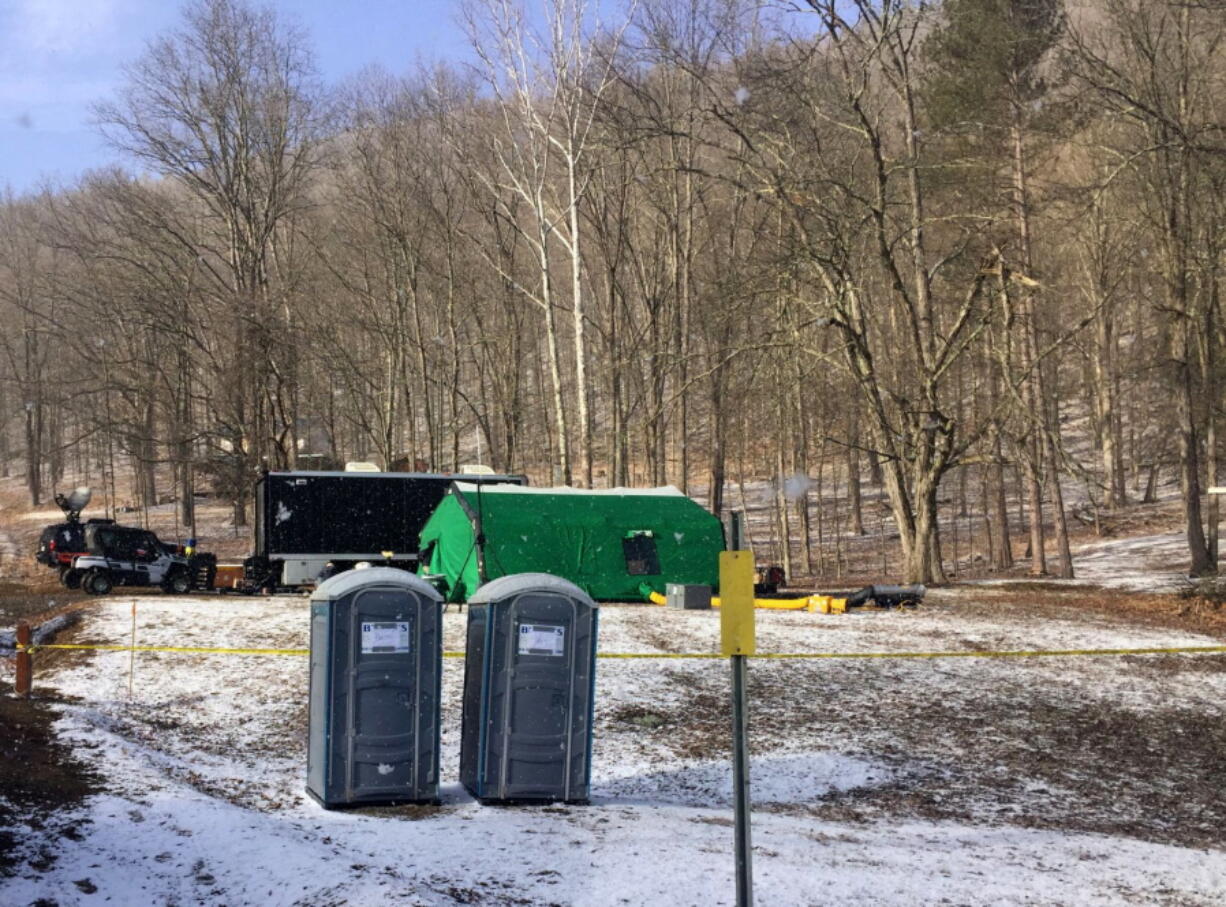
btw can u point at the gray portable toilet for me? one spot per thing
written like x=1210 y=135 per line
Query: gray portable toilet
x=529 y=682
x=376 y=673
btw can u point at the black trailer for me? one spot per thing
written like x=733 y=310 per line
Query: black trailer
x=306 y=520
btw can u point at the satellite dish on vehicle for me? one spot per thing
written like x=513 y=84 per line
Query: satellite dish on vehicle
x=80 y=497
x=76 y=501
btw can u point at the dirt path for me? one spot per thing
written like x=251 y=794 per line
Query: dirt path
x=8 y=552
x=35 y=603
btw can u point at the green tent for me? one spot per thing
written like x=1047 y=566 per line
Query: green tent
x=608 y=542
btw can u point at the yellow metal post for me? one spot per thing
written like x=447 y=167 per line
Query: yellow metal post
x=736 y=603
x=736 y=626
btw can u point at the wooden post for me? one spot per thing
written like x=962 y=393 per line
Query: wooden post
x=25 y=662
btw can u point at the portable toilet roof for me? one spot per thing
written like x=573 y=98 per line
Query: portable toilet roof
x=341 y=584
x=608 y=542
x=506 y=588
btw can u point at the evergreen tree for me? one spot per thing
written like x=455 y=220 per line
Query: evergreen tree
x=987 y=61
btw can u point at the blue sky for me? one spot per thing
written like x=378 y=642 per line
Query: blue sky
x=58 y=56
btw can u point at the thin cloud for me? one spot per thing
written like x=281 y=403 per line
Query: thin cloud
x=63 y=26
x=57 y=56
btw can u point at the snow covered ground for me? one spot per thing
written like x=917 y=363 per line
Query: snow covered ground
x=1146 y=563
x=967 y=781
x=1154 y=563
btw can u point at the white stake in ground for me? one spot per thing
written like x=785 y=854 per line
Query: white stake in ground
x=132 y=652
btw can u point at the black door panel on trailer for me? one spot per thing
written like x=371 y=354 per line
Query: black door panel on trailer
x=305 y=519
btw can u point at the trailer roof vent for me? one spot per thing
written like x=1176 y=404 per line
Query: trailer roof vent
x=361 y=466
x=475 y=469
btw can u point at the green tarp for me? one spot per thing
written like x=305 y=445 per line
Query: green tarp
x=608 y=542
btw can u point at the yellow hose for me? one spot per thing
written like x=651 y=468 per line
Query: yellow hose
x=824 y=604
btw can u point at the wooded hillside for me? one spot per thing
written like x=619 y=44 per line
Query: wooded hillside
x=970 y=253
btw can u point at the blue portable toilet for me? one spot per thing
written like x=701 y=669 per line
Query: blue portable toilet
x=376 y=674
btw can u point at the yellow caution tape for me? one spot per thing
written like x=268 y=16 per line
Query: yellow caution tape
x=204 y=650
x=977 y=653
x=1018 y=653
x=199 y=650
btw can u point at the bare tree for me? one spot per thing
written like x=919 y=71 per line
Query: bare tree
x=1156 y=69
x=547 y=83
x=227 y=108
x=27 y=345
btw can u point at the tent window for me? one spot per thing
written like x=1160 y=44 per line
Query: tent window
x=641 y=556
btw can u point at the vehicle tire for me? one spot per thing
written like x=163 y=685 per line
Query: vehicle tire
x=70 y=578
x=97 y=582
x=178 y=583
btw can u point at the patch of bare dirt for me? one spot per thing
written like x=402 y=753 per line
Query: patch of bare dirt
x=972 y=743
x=35 y=601
x=39 y=779
x=642 y=717
x=1029 y=756
x=1192 y=613
x=1152 y=776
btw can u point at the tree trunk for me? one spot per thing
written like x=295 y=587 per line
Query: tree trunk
x=1105 y=371
x=577 y=310
x=1001 y=543
x=34 y=454
x=719 y=431
x=922 y=563
x=555 y=359
x=1057 y=501
x=1209 y=368
x=1189 y=457
x=781 y=509
x=5 y=456
x=855 y=510
x=1034 y=497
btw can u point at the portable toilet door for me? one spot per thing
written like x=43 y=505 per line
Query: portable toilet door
x=529 y=683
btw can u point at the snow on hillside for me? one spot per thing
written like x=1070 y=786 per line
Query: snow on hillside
x=1149 y=563
x=1155 y=563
